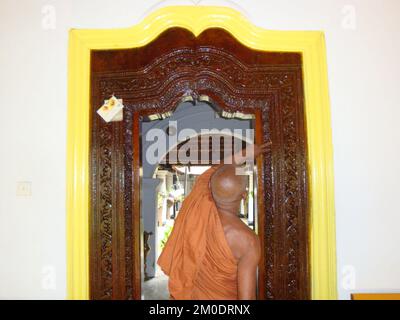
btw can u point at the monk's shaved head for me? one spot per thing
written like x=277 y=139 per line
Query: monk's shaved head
x=227 y=186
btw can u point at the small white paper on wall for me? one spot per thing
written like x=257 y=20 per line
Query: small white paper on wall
x=111 y=110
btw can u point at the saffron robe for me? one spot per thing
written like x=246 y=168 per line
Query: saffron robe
x=197 y=258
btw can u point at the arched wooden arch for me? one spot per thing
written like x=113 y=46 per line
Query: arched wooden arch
x=154 y=79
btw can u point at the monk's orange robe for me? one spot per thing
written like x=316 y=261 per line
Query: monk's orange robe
x=197 y=258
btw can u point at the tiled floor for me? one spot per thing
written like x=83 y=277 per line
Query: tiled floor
x=156 y=288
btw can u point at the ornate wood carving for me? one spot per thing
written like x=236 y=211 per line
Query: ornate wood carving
x=154 y=79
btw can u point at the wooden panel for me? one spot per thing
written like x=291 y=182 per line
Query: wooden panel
x=153 y=79
x=205 y=144
x=375 y=296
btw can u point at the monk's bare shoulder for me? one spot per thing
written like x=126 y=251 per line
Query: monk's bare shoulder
x=240 y=237
x=250 y=240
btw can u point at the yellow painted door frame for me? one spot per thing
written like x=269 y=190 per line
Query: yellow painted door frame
x=311 y=44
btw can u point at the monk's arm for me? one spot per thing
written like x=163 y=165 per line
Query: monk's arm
x=241 y=156
x=247 y=271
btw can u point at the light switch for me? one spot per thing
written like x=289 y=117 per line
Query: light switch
x=24 y=189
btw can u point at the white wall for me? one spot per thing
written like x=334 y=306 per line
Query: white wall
x=364 y=76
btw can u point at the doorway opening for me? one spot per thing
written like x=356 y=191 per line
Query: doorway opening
x=173 y=178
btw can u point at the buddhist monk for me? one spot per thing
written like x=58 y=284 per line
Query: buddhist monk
x=211 y=254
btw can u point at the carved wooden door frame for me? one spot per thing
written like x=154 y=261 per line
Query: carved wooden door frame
x=198 y=19
x=153 y=79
